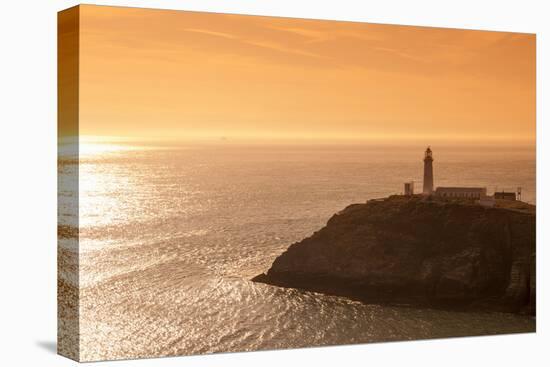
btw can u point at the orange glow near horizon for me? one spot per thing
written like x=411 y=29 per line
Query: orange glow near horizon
x=170 y=75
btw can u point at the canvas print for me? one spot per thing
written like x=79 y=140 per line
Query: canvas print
x=234 y=183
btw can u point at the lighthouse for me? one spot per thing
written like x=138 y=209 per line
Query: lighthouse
x=428 y=172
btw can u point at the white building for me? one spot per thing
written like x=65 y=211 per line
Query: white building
x=461 y=192
x=428 y=172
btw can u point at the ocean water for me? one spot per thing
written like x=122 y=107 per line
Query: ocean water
x=170 y=237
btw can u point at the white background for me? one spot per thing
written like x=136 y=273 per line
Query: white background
x=28 y=182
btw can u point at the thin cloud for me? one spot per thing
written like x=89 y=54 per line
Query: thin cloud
x=312 y=36
x=267 y=45
x=284 y=49
x=211 y=33
x=402 y=54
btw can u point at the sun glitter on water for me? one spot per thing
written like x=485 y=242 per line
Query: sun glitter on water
x=92 y=149
x=98 y=145
x=92 y=146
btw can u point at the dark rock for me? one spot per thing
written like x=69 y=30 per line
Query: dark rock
x=418 y=251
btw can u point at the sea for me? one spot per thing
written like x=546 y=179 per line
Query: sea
x=171 y=235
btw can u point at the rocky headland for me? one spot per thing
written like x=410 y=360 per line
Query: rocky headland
x=419 y=251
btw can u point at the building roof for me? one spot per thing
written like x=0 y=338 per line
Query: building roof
x=461 y=189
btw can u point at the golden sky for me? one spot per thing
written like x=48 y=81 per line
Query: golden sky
x=160 y=74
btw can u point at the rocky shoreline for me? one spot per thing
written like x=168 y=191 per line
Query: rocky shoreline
x=419 y=251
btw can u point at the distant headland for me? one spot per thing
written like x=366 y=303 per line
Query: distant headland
x=437 y=250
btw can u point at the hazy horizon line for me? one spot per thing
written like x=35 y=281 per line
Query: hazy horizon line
x=262 y=139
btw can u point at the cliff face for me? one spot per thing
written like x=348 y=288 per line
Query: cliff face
x=413 y=250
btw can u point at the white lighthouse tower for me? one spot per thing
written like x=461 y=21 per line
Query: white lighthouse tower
x=428 y=172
